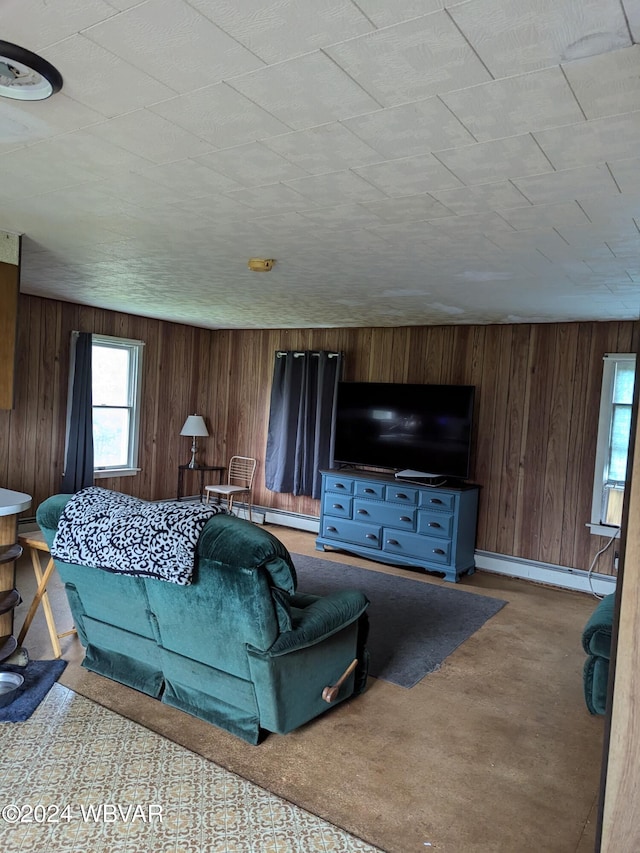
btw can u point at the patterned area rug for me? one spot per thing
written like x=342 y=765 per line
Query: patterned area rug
x=79 y=777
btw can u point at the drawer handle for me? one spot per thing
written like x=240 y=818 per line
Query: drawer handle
x=338 y=506
x=371 y=536
x=431 y=523
x=435 y=501
x=339 y=485
x=332 y=529
x=405 y=518
x=392 y=542
x=369 y=491
x=438 y=551
x=363 y=512
x=402 y=496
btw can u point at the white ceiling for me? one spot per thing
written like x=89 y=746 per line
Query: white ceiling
x=407 y=162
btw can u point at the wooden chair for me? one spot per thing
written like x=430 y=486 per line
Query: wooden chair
x=241 y=471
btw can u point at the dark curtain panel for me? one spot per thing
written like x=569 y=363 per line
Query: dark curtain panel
x=299 y=441
x=78 y=472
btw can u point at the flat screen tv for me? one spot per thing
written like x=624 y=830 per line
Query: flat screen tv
x=416 y=430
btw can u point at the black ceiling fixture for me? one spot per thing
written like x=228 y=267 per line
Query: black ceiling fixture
x=26 y=76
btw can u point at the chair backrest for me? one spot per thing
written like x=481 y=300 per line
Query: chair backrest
x=241 y=471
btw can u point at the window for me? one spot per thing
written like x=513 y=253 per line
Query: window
x=614 y=431
x=116 y=373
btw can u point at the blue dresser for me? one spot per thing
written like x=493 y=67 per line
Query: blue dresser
x=405 y=524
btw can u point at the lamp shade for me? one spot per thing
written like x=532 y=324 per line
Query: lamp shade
x=194 y=425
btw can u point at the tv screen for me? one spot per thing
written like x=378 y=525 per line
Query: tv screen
x=423 y=428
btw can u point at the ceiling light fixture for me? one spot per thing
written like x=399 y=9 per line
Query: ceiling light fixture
x=261 y=264
x=26 y=76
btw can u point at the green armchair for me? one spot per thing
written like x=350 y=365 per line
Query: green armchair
x=596 y=641
x=237 y=647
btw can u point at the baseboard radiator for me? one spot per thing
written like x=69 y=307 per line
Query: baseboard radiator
x=486 y=561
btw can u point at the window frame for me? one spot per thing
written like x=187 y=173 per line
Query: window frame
x=605 y=419
x=135 y=349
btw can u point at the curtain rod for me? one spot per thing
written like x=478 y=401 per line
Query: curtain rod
x=280 y=353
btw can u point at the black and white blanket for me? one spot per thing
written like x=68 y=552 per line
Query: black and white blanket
x=119 y=533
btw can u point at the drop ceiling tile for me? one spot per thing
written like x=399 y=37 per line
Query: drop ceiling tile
x=567 y=185
x=632 y=11
x=409 y=175
x=592 y=141
x=327 y=148
x=546 y=241
x=190 y=179
x=385 y=14
x=410 y=129
x=411 y=61
x=525 y=35
x=150 y=136
x=544 y=216
x=173 y=43
x=275 y=35
x=100 y=80
x=626 y=174
x=408 y=208
x=216 y=209
x=305 y=92
x=272 y=199
x=33 y=121
x=252 y=165
x=336 y=189
x=34 y=24
x=481 y=198
x=221 y=115
x=607 y=85
x=347 y=216
x=97 y=155
x=487 y=224
x=515 y=105
x=486 y=162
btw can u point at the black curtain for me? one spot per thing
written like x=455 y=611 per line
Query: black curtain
x=78 y=471
x=299 y=441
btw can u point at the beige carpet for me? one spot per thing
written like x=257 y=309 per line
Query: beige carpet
x=493 y=753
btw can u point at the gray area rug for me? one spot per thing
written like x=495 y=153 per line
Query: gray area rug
x=414 y=626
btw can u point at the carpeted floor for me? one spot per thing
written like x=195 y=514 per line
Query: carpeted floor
x=414 y=626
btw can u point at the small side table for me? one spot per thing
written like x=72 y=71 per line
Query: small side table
x=201 y=470
x=36 y=543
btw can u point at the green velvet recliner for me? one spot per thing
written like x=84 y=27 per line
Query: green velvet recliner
x=238 y=647
x=596 y=641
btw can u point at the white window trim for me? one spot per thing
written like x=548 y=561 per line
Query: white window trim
x=604 y=425
x=136 y=348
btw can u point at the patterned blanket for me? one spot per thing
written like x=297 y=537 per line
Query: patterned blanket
x=119 y=533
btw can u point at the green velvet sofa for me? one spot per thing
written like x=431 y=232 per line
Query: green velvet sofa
x=238 y=647
x=596 y=641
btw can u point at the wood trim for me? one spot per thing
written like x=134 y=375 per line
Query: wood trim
x=620 y=828
x=9 y=291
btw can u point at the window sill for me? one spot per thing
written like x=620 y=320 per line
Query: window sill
x=103 y=473
x=608 y=530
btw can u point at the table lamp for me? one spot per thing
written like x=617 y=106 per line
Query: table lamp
x=194 y=426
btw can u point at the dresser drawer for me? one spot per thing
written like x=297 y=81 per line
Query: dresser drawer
x=365 y=489
x=425 y=548
x=357 y=533
x=399 y=494
x=385 y=514
x=343 y=485
x=436 y=523
x=438 y=500
x=338 y=505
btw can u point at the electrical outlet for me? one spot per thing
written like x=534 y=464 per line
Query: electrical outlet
x=616 y=557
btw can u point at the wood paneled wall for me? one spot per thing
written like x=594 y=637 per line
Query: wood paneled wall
x=537 y=398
